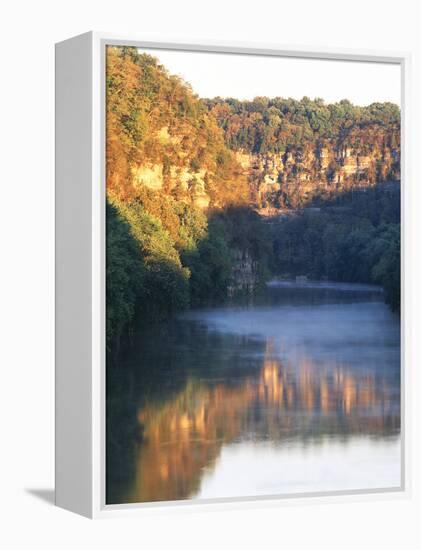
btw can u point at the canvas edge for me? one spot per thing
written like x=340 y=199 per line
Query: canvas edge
x=73 y=253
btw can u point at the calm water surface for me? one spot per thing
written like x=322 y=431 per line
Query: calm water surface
x=298 y=392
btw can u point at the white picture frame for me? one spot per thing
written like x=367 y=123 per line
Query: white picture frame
x=80 y=272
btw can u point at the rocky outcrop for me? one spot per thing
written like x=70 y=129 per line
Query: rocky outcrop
x=296 y=150
x=177 y=179
x=293 y=177
x=245 y=273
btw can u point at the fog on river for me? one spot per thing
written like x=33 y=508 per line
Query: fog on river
x=297 y=392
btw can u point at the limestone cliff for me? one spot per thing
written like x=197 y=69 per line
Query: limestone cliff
x=295 y=151
x=160 y=136
x=245 y=276
x=294 y=177
x=181 y=180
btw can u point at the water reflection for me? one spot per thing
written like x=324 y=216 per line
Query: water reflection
x=217 y=387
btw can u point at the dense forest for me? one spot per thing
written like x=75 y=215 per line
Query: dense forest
x=178 y=213
x=273 y=125
x=190 y=182
x=297 y=151
x=353 y=238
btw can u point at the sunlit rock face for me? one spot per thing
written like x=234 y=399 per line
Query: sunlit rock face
x=294 y=177
x=191 y=183
x=149 y=175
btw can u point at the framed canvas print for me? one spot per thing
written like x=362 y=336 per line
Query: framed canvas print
x=230 y=307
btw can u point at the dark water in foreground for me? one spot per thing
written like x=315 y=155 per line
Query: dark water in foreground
x=297 y=393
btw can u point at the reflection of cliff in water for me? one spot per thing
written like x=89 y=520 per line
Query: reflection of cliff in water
x=182 y=436
x=215 y=391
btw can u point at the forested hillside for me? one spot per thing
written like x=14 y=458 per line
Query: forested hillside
x=295 y=152
x=178 y=214
x=188 y=180
x=161 y=136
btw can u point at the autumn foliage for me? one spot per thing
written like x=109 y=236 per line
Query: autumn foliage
x=181 y=209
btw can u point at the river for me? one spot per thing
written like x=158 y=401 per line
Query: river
x=297 y=392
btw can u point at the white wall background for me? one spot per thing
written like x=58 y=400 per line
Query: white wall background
x=28 y=32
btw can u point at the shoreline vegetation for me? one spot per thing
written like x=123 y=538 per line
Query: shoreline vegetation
x=209 y=198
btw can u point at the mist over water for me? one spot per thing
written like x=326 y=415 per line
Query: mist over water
x=297 y=392
x=359 y=334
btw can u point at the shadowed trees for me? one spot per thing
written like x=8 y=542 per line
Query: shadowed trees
x=157 y=266
x=355 y=238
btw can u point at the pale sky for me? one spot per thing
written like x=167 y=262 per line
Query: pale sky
x=245 y=77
